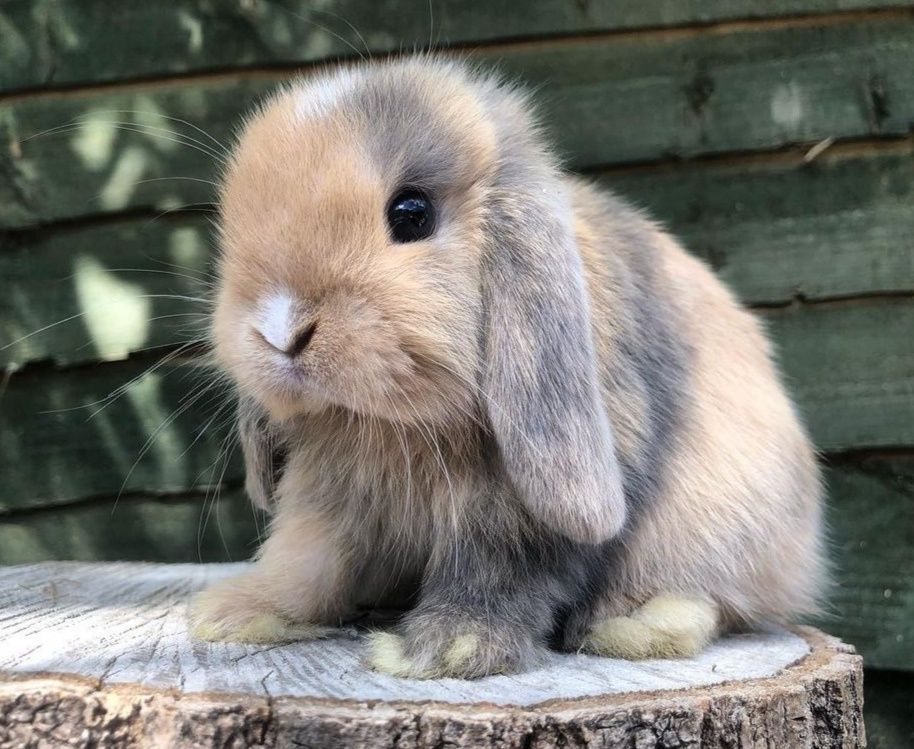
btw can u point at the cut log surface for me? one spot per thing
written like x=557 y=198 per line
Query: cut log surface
x=98 y=655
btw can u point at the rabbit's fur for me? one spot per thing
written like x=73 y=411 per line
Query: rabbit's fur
x=546 y=424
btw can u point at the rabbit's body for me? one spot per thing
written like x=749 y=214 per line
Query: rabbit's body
x=587 y=444
x=738 y=508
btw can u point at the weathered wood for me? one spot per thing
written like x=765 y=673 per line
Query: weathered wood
x=101 y=292
x=889 y=719
x=871 y=520
x=54 y=610
x=606 y=101
x=850 y=366
x=778 y=229
x=773 y=229
x=168 y=432
x=70 y=155
x=52 y=42
x=705 y=93
x=215 y=526
x=100 y=654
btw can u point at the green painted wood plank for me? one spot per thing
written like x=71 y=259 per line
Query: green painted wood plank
x=198 y=528
x=887 y=711
x=53 y=42
x=103 y=291
x=850 y=366
x=57 y=445
x=607 y=101
x=871 y=520
x=627 y=100
x=70 y=155
x=839 y=227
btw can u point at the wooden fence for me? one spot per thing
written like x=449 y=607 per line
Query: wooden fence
x=773 y=136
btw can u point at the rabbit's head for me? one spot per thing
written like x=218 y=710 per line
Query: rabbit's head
x=397 y=242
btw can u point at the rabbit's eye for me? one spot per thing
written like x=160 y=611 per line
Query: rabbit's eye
x=411 y=216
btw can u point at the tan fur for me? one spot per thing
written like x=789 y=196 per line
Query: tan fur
x=750 y=534
x=733 y=521
x=289 y=182
x=391 y=436
x=296 y=582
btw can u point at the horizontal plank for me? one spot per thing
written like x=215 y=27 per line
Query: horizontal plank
x=101 y=292
x=887 y=713
x=606 y=101
x=682 y=96
x=59 y=441
x=198 y=528
x=51 y=42
x=778 y=229
x=850 y=366
x=775 y=229
x=76 y=155
x=871 y=520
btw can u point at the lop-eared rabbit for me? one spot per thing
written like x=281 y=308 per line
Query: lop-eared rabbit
x=479 y=385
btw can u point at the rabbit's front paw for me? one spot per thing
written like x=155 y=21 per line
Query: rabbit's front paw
x=430 y=648
x=229 y=612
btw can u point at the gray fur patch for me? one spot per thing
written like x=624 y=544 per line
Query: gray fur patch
x=263 y=451
x=407 y=138
x=653 y=352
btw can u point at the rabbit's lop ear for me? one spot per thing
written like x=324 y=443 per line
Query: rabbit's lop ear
x=263 y=453
x=539 y=373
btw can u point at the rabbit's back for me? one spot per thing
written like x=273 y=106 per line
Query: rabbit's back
x=730 y=497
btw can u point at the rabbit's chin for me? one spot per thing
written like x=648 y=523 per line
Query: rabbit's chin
x=286 y=406
x=425 y=414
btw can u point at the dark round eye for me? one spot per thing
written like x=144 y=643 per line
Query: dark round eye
x=411 y=216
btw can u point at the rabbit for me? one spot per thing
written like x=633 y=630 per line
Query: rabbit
x=498 y=393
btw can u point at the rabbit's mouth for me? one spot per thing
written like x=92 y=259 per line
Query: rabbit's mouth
x=298 y=356
x=418 y=394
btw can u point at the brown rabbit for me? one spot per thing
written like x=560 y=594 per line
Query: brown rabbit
x=500 y=393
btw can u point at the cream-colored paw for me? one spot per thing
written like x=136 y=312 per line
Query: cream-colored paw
x=667 y=626
x=621 y=637
x=263 y=629
x=465 y=655
x=460 y=652
x=688 y=623
x=223 y=614
x=385 y=654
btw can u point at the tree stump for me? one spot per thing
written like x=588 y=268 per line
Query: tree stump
x=98 y=655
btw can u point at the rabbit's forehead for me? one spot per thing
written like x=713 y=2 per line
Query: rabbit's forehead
x=417 y=123
x=321 y=96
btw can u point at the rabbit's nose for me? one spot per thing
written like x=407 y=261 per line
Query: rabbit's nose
x=285 y=323
x=301 y=340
